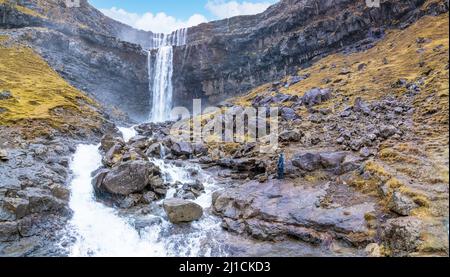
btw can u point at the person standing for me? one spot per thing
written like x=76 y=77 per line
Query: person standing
x=280 y=166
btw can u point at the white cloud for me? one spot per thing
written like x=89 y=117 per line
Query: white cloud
x=158 y=23
x=225 y=9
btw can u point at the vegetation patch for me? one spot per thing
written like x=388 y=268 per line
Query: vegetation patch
x=38 y=93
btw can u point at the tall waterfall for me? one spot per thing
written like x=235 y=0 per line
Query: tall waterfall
x=160 y=70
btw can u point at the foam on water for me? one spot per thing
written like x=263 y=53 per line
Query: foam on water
x=100 y=230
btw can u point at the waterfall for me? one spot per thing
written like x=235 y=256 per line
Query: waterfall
x=160 y=70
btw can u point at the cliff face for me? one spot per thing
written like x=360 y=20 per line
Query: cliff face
x=229 y=57
x=87 y=48
x=222 y=59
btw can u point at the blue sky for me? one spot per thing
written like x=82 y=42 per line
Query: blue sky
x=168 y=15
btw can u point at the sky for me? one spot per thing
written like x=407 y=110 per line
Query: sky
x=165 y=16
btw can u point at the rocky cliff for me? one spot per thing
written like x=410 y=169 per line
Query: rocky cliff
x=86 y=48
x=222 y=59
x=231 y=56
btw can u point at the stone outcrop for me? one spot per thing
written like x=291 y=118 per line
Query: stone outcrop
x=276 y=209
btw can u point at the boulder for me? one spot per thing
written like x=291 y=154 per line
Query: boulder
x=113 y=155
x=127 y=178
x=179 y=210
x=182 y=148
x=200 y=149
x=288 y=114
x=290 y=136
x=401 y=204
x=5 y=95
x=316 y=96
x=307 y=162
x=402 y=235
x=149 y=197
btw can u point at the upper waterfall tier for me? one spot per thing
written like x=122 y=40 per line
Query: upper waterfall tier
x=176 y=38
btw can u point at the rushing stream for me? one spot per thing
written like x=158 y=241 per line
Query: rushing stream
x=102 y=231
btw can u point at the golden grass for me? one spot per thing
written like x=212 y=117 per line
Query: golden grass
x=404 y=56
x=40 y=94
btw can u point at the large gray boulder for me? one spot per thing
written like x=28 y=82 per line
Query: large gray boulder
x=127 y=178
x=307 y=162
x=179 y=210
x=316 y=96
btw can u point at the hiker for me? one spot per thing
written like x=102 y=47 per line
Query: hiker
x=280 y=166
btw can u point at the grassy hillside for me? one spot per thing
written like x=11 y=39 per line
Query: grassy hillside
x=418 y=164
x=37 y=95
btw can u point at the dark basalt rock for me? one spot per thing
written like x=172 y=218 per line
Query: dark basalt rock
x=127 y=178
x=277 y=209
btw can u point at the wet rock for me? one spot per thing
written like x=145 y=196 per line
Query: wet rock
x=142 y=223
x=402 y=235
x=130 y=201
x=191 y=190
x=127 y=178
x=316 y=96
x=401 y=204
x=156 y=150
x=332 y=160
x=244 y=165
x=149 y=197
x=179 y=210
x=139 y=142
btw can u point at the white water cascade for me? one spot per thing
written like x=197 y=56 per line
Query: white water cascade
x=99 y=230
x=160 y=72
